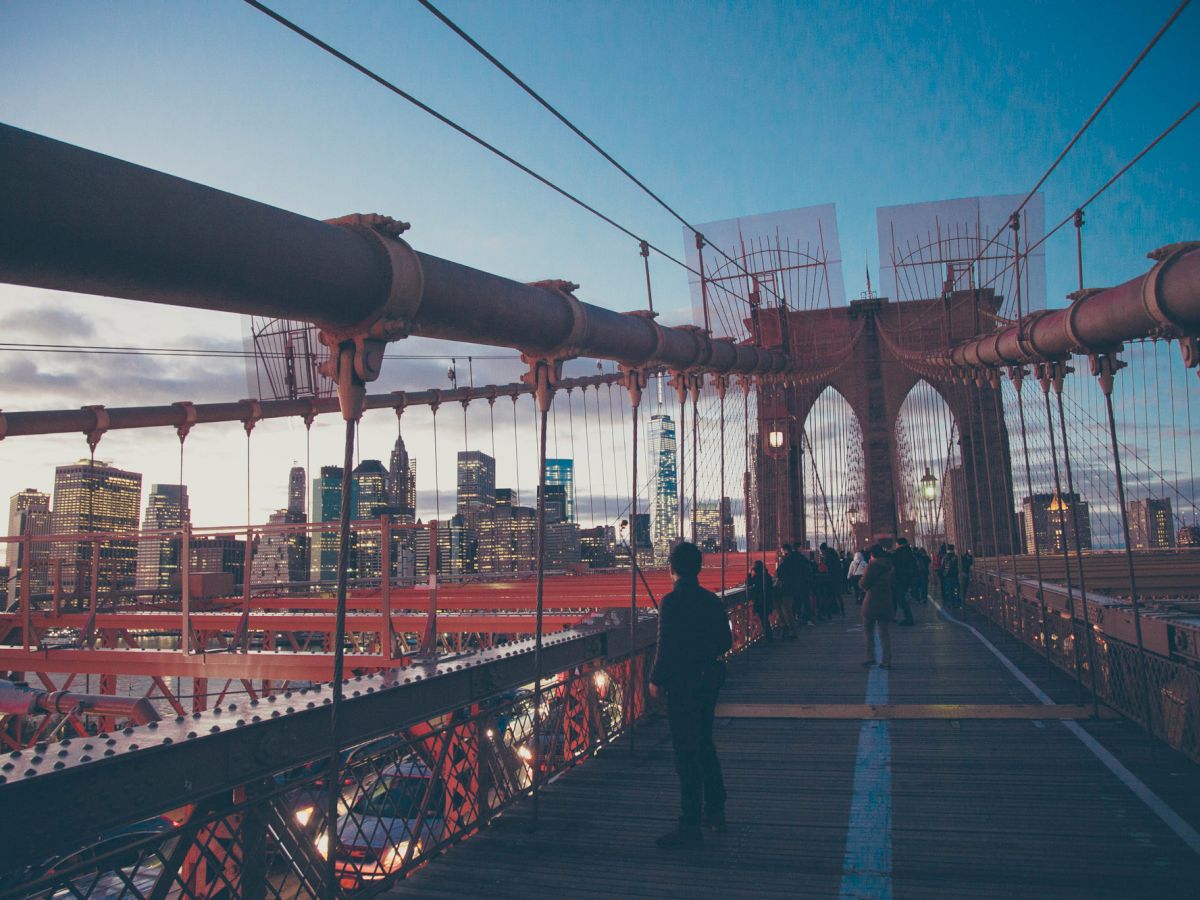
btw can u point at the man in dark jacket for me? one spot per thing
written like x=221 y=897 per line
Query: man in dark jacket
x=693 y=638
x=902 y=579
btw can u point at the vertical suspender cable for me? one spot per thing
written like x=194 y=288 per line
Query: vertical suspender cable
x=1017 y=374
x=335 y=761
x=543 y=397
x=635 y=398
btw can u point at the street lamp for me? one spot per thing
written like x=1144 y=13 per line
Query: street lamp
x=928 y=485
x=776 y=440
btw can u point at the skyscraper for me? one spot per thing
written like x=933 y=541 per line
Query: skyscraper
x=476 y=483
x=29 y=513
x=1049 y=519
x=327 y=507
x=94 y=497
x=402 y=483
x=297 y=505
x=1151 y=525
x=664 y=507
x=370 y=501
x=562 y=472
x=158 y=556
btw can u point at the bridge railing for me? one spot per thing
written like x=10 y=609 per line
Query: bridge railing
x=232 y=802
x=1159 y=689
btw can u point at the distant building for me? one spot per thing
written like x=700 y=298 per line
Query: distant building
x=1151 y=525
x=402 y=484
x=562 y=472
x=457 y=547
x=556 y=503
x=707 y=531
x=282 y=553
x=1049 y=519
x=641 y=530
x=219 y=553
x=664 y=507
x=562 y=545
x=297 y=505
x=596 y=547
x=476 y=483
x=1187 y=536
x=29 y=514
x=92 y=497
x=327 y=507
x=506 y=537
x=4 y=587
x=370 y=502
x=158 y=557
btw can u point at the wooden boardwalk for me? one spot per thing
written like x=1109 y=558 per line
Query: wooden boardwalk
x=977 y=806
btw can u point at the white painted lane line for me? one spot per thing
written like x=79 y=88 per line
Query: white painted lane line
x=867 y=867
x=1157 y=805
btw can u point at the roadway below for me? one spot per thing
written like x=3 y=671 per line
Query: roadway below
x=886 y=802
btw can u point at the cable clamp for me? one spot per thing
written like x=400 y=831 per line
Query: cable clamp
x=98 y=428
x=255 y=413
x=189 y=418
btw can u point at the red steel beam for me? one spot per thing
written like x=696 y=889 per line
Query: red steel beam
x=1163 y=302
x=75 y=220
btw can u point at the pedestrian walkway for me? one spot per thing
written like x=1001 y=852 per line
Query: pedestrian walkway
x=978 y=805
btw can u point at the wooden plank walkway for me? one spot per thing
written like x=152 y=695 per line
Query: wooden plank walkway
x=976 y=806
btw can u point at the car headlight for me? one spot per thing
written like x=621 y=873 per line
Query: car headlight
x=525 y=753
x=393 y=857
x=322 y=844
x=304 y=816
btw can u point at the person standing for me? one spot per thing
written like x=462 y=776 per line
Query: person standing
x=693 y=638
x=965 y=565
x=877 y=607
x=905 y=573
x=759 y=587
x=949 y=576
x=787 y=578
x=920 y=588
x=858 y=568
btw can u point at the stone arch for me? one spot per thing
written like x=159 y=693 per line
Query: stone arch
x=831 y=469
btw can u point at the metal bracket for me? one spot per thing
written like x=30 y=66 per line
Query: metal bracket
x=253 y=416
x=99 y=428
x=189 y=419
x=543 y=377
x=635 y=383
x=399 y=404
x=1105 y=366
x=406 y=286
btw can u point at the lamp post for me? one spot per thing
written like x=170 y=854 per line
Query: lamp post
x=929 y=492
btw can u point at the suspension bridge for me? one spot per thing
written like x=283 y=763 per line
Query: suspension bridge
x=353 y=699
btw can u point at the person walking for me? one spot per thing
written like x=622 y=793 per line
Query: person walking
x=759 y=586
x=877 y=607
x=858 y=568
x=920 y=588
x=948 y=571
x=787 y=578
x=689 y=666
x=964 y=567
x=905 y=573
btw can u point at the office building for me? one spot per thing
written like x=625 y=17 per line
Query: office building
x=597 y=547
x=562 y=472
x=158 y=556
x=506 y=537
x=1049 y=519
x=1151 y=525
x=370 y=502
x=664 y=506
x=402 y=484
x=556 y=503
x=955 y=512
x=297 y=502
x=29 y=514
x=327 y=507
x=94 y=497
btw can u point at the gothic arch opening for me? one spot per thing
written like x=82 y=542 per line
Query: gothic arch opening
x=931 y=491
x=832 y=473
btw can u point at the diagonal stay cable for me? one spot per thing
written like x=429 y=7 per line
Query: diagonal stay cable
x=516 y=79
x=464 y=131
x=1090 y=119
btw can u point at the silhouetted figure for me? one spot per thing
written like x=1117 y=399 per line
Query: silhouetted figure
x=858 y=568
x=877 y=607
x=787 y=577
x=759 y=586
x=905 y=565
x=965 y=565
x=693 y=638
x=948 y=572
x=920 y=588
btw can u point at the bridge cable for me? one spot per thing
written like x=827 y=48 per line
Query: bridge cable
x=700 y=240
x=465 y=132
x=335 y=756
x=1046 y=373
x=1087 y=124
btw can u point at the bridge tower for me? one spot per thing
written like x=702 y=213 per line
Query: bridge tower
x=870 y=352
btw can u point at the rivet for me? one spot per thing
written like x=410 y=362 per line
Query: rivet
x=168 y=740
x=111 y=741
x=40 y=746
x=152 y=726
x=239 y=723
x=274 y=714
x=63 y=752
x=271 y=699
x=179 y=718
x=133 y=746
x=86 y=758
x=36 y=759
x=311 y=704
x=291 y=709
x=127 y=731
x=214 y=729
x=191 y=734
x=29 y=772
x=60 y=765
x=256 y=719
x=110 y=752
x=7 y=766
x=195 y=715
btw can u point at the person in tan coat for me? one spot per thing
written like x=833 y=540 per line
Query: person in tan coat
x=877 y=608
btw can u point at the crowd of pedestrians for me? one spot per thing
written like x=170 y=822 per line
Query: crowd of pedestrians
x=808 y=587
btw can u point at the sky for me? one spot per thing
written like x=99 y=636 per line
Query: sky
x=724 y=109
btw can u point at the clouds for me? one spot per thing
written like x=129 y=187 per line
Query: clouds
x=45 y=324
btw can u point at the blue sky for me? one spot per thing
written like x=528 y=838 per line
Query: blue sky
x=724 y=109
